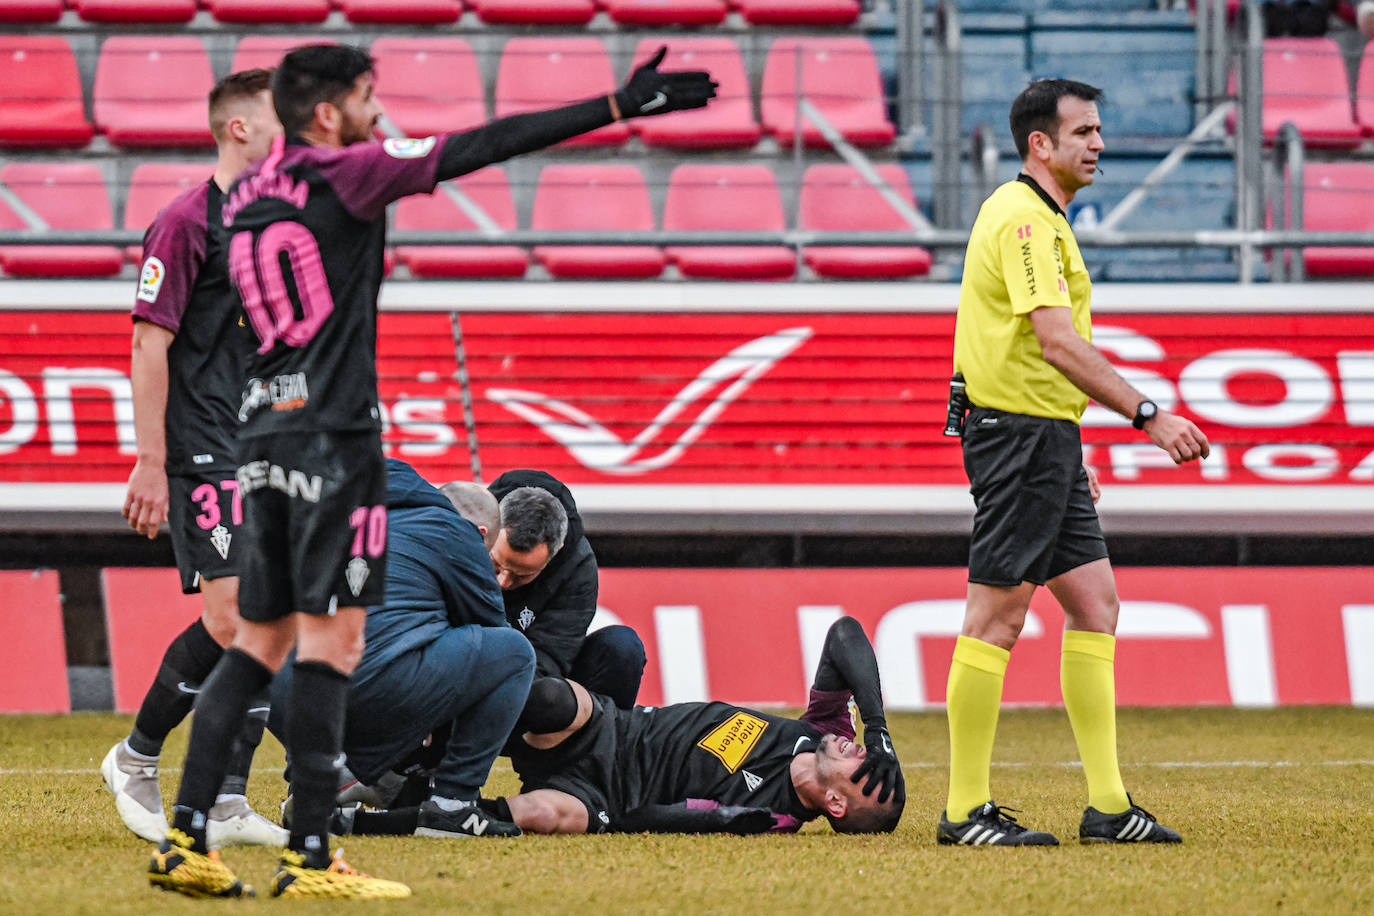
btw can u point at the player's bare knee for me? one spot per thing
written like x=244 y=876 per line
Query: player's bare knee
x=220 y=608
x=548 y=811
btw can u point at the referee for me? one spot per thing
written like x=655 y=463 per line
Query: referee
x=1022 y=343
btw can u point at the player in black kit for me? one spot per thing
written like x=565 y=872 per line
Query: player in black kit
x=188 y=345
x=307 y=233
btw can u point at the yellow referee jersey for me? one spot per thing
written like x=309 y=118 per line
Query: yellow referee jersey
x=1021 y=256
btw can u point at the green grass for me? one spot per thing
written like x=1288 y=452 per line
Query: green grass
x=1293 y=836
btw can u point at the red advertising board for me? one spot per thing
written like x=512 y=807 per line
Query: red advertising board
x=807 y=398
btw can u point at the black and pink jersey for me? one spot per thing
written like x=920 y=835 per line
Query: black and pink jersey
x=184 y=287
x=307 y=234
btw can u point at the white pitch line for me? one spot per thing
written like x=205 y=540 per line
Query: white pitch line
x=916 y=765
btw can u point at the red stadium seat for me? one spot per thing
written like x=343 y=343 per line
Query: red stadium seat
x=136 y=10
x=535 y=12
x=1338 y=197
x=144 y=612
x=150 y=91
x=65 y=195
x=490 y=190
x=666 y=12
x=727 y=122
x=269 y=10
x=592 y=197
x=40 y=93
x=1364 y=91
x=406 y=12
x=1305 y=82
x=33 y=649
x=540 y=73
x=813 y=13
x=725 y=198
x=839 y=77
x=429 y=85
x=837 y=198
x=30 y=10
x=266 y=51
x=152 y=187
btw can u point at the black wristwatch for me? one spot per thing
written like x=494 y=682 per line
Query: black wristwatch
x=1144 y=412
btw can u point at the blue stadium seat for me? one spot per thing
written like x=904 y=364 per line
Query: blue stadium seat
x=995 y=69
x=1040 y=6
x=1147 y=73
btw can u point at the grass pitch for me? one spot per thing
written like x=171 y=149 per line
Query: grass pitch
x=1274 y=806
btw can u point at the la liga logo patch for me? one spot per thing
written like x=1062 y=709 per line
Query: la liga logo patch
x=407 y=147
x=150 y=280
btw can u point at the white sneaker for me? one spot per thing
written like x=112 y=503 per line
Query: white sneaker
x=138 y=799
x=233 y=822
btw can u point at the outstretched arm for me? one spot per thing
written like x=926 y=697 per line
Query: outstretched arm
x=848 y=663
x=701 y=818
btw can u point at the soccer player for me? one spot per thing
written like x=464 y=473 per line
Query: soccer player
x=591 y=767
x=548 y=574
x=307 y=233
x=1022 y=342
x=438 y=652
x=188 y=348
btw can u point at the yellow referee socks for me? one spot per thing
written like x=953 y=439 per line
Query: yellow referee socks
x=973 y=698
x=1087 y=677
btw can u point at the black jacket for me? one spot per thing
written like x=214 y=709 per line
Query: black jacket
x=555 y=609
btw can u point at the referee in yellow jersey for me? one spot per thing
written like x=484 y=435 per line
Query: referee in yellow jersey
x=1023 y=345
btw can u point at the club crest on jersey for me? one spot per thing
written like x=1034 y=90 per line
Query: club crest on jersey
x=356 y=573
x=408 y=147
x=525 y=619
x=221 y=537
x=731 y=741
x=150 y=280
x=752 y=781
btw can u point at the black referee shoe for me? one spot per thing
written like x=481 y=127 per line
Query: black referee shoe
x=989 y=825
x=469 y=820
x=1134 y=825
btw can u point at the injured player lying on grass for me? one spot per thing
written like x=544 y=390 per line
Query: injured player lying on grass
x=590 y=767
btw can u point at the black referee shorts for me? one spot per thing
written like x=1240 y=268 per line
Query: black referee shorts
x=1035 y=517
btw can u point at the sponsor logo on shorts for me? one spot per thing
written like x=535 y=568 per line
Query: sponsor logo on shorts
x=202 y=459
x=525 y=619
x=356 y=573
x=408 y=147
x=297 y=484
x=150 y=280
x=732 y=740
x=221 y=537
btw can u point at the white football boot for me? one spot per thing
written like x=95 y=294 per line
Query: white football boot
x=133 y=782
x=233 y=822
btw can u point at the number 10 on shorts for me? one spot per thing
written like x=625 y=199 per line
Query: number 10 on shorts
x=369 y=530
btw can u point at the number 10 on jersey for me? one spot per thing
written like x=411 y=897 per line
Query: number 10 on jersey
x=258 y=272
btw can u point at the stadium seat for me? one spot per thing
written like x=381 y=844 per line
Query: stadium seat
x=811 y=13
x=152 y=187
x=839 y=76
x=144 y=612
x=1364 y=91
x=266 y=51
x=269 y=10
x=30 y=11
x=666 y=12
x=1338 y=197
x=535 y=12
x=836 y=198
x=490 y=190
x=727 y=198
x=64 y=195
x=429 y=85
x=589 y=198
x=40 y=93
x=1305 y=82
x=150 y=91
x=727 y=122
x=538 y=73
x=402 y=12
x=33 y=647
x=136 y=10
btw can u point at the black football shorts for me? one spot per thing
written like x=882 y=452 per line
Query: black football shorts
x=204 y=518
x=314 y=526
x=583 y=766
x=1034 y=517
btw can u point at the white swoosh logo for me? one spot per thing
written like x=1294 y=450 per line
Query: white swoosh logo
x=596 y=447
x=658 y=101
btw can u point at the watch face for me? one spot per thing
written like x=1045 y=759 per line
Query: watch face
x=1147 y=410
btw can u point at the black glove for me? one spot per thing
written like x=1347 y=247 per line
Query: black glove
x=881 y=767
x=649 y=92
